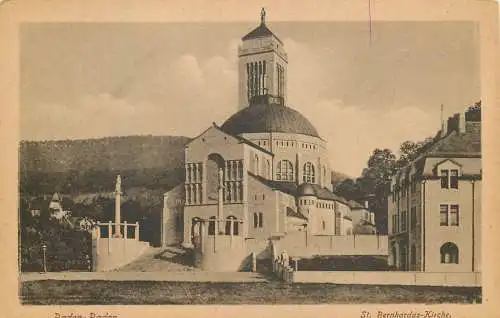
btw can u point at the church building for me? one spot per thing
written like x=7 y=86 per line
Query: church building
x=265 y=171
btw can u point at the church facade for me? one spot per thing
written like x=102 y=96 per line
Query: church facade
x=264 y=172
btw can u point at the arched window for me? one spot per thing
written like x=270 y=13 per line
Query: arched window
x=255 y=220
x=449 y=253
x=215 y=164
x=261 y=219
x=323 y=225
x=234 y=221
x=195 y=227
x=308 y=173
x=284 y=171
x=211 y=226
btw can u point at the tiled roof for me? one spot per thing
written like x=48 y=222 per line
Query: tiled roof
x=285 y=187
x=260 y=32
x=291 y=213
x=291 y=188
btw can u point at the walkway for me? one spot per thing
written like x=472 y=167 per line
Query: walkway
x=194 y=276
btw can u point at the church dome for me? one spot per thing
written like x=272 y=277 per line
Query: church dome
x=306 y=189
x=270 y=117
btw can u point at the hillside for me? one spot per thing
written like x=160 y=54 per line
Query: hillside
x=91 y=165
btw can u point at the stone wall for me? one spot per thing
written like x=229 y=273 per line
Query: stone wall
x=111 y=253
x=301 y=244
x=387 y=278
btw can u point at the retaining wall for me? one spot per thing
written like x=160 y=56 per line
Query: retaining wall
x=111 y=253
x=300 y=244
x=472 y=279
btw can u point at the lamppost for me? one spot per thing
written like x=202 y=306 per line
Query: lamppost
x=44 y=248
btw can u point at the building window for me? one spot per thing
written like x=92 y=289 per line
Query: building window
x=256 y=168
x=394 y=224
x=450 y=215
x=444 y=179
x=231 y=220
x=443 y=208
x=323 y=225
x=449 y=253
x=413 y=216
x=449 y=179
x=308 y=173
x=258 y=220
x=211 y=226
x=403 y=221
x=284 y=171
x=454 y=179
x=454 y=213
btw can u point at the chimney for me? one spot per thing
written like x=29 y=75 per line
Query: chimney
x=443 y=123
x=461 y=123
x=453 y=123
x=473 y=123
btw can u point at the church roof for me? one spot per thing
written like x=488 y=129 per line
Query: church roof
x=271 y=117
x=260 y=32
x=292 y=213
x=292 y=189
x=283 y=186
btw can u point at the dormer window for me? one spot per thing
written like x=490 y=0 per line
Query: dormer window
x=449 y=179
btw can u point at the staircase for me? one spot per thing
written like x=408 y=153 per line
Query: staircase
x=168 y=259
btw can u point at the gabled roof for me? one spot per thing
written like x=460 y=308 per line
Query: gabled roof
x=239 y=138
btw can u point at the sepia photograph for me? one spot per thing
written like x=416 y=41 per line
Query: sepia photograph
x=255 y=161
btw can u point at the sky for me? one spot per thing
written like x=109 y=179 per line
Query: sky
x=91 y=80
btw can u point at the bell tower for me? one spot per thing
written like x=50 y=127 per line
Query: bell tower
x=262 y=65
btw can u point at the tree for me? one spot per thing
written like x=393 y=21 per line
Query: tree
x=375 y=183
x=409 y=150
x=349 y=189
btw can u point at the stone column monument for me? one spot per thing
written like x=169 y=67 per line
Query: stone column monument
x=118 y=191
